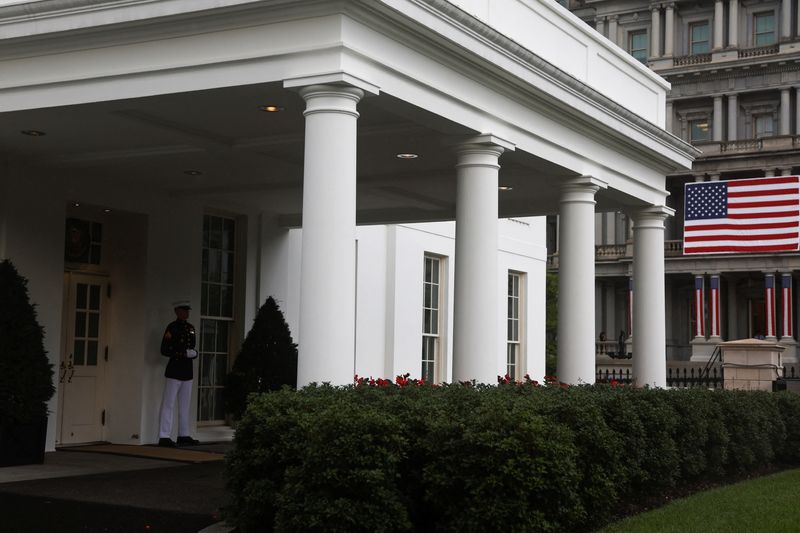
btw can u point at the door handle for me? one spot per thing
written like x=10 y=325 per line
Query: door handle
x=62 y=372
x=71 y=367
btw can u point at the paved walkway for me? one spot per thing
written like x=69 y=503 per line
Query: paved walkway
x=88 y=492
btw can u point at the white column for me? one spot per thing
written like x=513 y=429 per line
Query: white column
x=718 y=24
x=769 y=172
x=476 y=288
x=655 y=32
x=328 y=268
x=733 y=23
x=717 y=119
x=576 y=354
x=669 y=30
x=786 y=106
x=786 y=20
x=649 y=334
x=612 y=28
x=785 y=171
x=733 y=117
x=600 y=25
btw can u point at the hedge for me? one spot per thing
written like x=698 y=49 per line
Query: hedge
x=483 y=458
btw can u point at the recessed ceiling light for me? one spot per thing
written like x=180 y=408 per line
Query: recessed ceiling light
x=106 y=210
x=192 y=172
x=407 y=156
x=270 y=108
x=505 y=188
x=33 y=133
x=76 y=204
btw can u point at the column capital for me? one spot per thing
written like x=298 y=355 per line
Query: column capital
x=336 y=79
x=652 y=216
x=669 y=5
x=613 y=18
x=484 y=139
x=584 y=182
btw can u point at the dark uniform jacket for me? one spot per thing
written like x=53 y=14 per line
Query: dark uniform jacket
x=178 y=338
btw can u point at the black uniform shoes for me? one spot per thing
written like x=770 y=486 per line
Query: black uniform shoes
x=187 y=441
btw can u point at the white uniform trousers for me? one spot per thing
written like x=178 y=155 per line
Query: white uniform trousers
x=182 y=390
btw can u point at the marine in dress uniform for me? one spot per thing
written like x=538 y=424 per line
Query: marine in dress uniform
x=178 y=344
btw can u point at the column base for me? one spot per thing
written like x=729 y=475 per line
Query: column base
x=703 y=348
x=790 y=352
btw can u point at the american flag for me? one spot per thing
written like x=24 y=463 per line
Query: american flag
x=749 y=215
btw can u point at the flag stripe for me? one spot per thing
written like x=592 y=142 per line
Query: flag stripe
x=763 y=181
x=729 y=248
x=761 y=215
x=742 y=225
x=760 y=192
x=767 y=203
x=729 y=237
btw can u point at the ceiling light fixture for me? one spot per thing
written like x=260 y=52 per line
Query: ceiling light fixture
x=407 y=155
x=106 y=210
x=192 y=172
x=76 y=204
x=505 y=188
x=33 y=133
x=270 y=108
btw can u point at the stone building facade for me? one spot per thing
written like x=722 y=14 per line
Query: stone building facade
x=734 y=70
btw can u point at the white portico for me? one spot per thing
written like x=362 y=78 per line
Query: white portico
x=153 y=114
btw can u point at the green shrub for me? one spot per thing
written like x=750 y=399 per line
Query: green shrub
x=266 y=362
x=486 y=458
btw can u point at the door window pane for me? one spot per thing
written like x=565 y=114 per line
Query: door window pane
x=699 y=130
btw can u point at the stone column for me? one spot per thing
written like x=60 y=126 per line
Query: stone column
x=733 y=23
x=630 y=306
x=600 y=25
x=670 y=117
x=717 y=119
x=787 y=321
x=769 y=303
x=476 y=284
x=649 y=335
x=669 y=30
x=733 y=310
x=797 y=109
x=786 y=106
x=576 y=354
x=718 y=25
x=328 y=267
x=714 y=308
x=769 y=172
x=613 y=29
x=786 y=20
x=733 y=117
x=714 y=176
x=655 y=32
x=698 y=308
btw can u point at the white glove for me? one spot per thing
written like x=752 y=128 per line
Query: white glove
x=191 y=353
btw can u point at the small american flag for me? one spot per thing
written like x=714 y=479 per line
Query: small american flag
x=750 y=215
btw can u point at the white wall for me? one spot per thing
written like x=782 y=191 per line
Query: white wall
x=390 y=291
x=34 y=242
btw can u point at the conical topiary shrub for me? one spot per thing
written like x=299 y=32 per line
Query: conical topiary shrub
x=267 y=360
x=26 y=375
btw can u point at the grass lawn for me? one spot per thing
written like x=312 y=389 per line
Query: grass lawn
x=768 y=504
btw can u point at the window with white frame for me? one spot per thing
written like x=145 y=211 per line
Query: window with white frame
x=431 y=319
x=216 y=315
x=699 y=38
x=637 y=45
x=764 y=28
x=514 y=326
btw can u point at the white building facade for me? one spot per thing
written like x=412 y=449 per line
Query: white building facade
x=170 y=149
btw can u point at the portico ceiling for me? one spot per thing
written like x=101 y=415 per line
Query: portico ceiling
x=252 y=159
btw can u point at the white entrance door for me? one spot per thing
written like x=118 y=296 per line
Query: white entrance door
x=83 y=360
